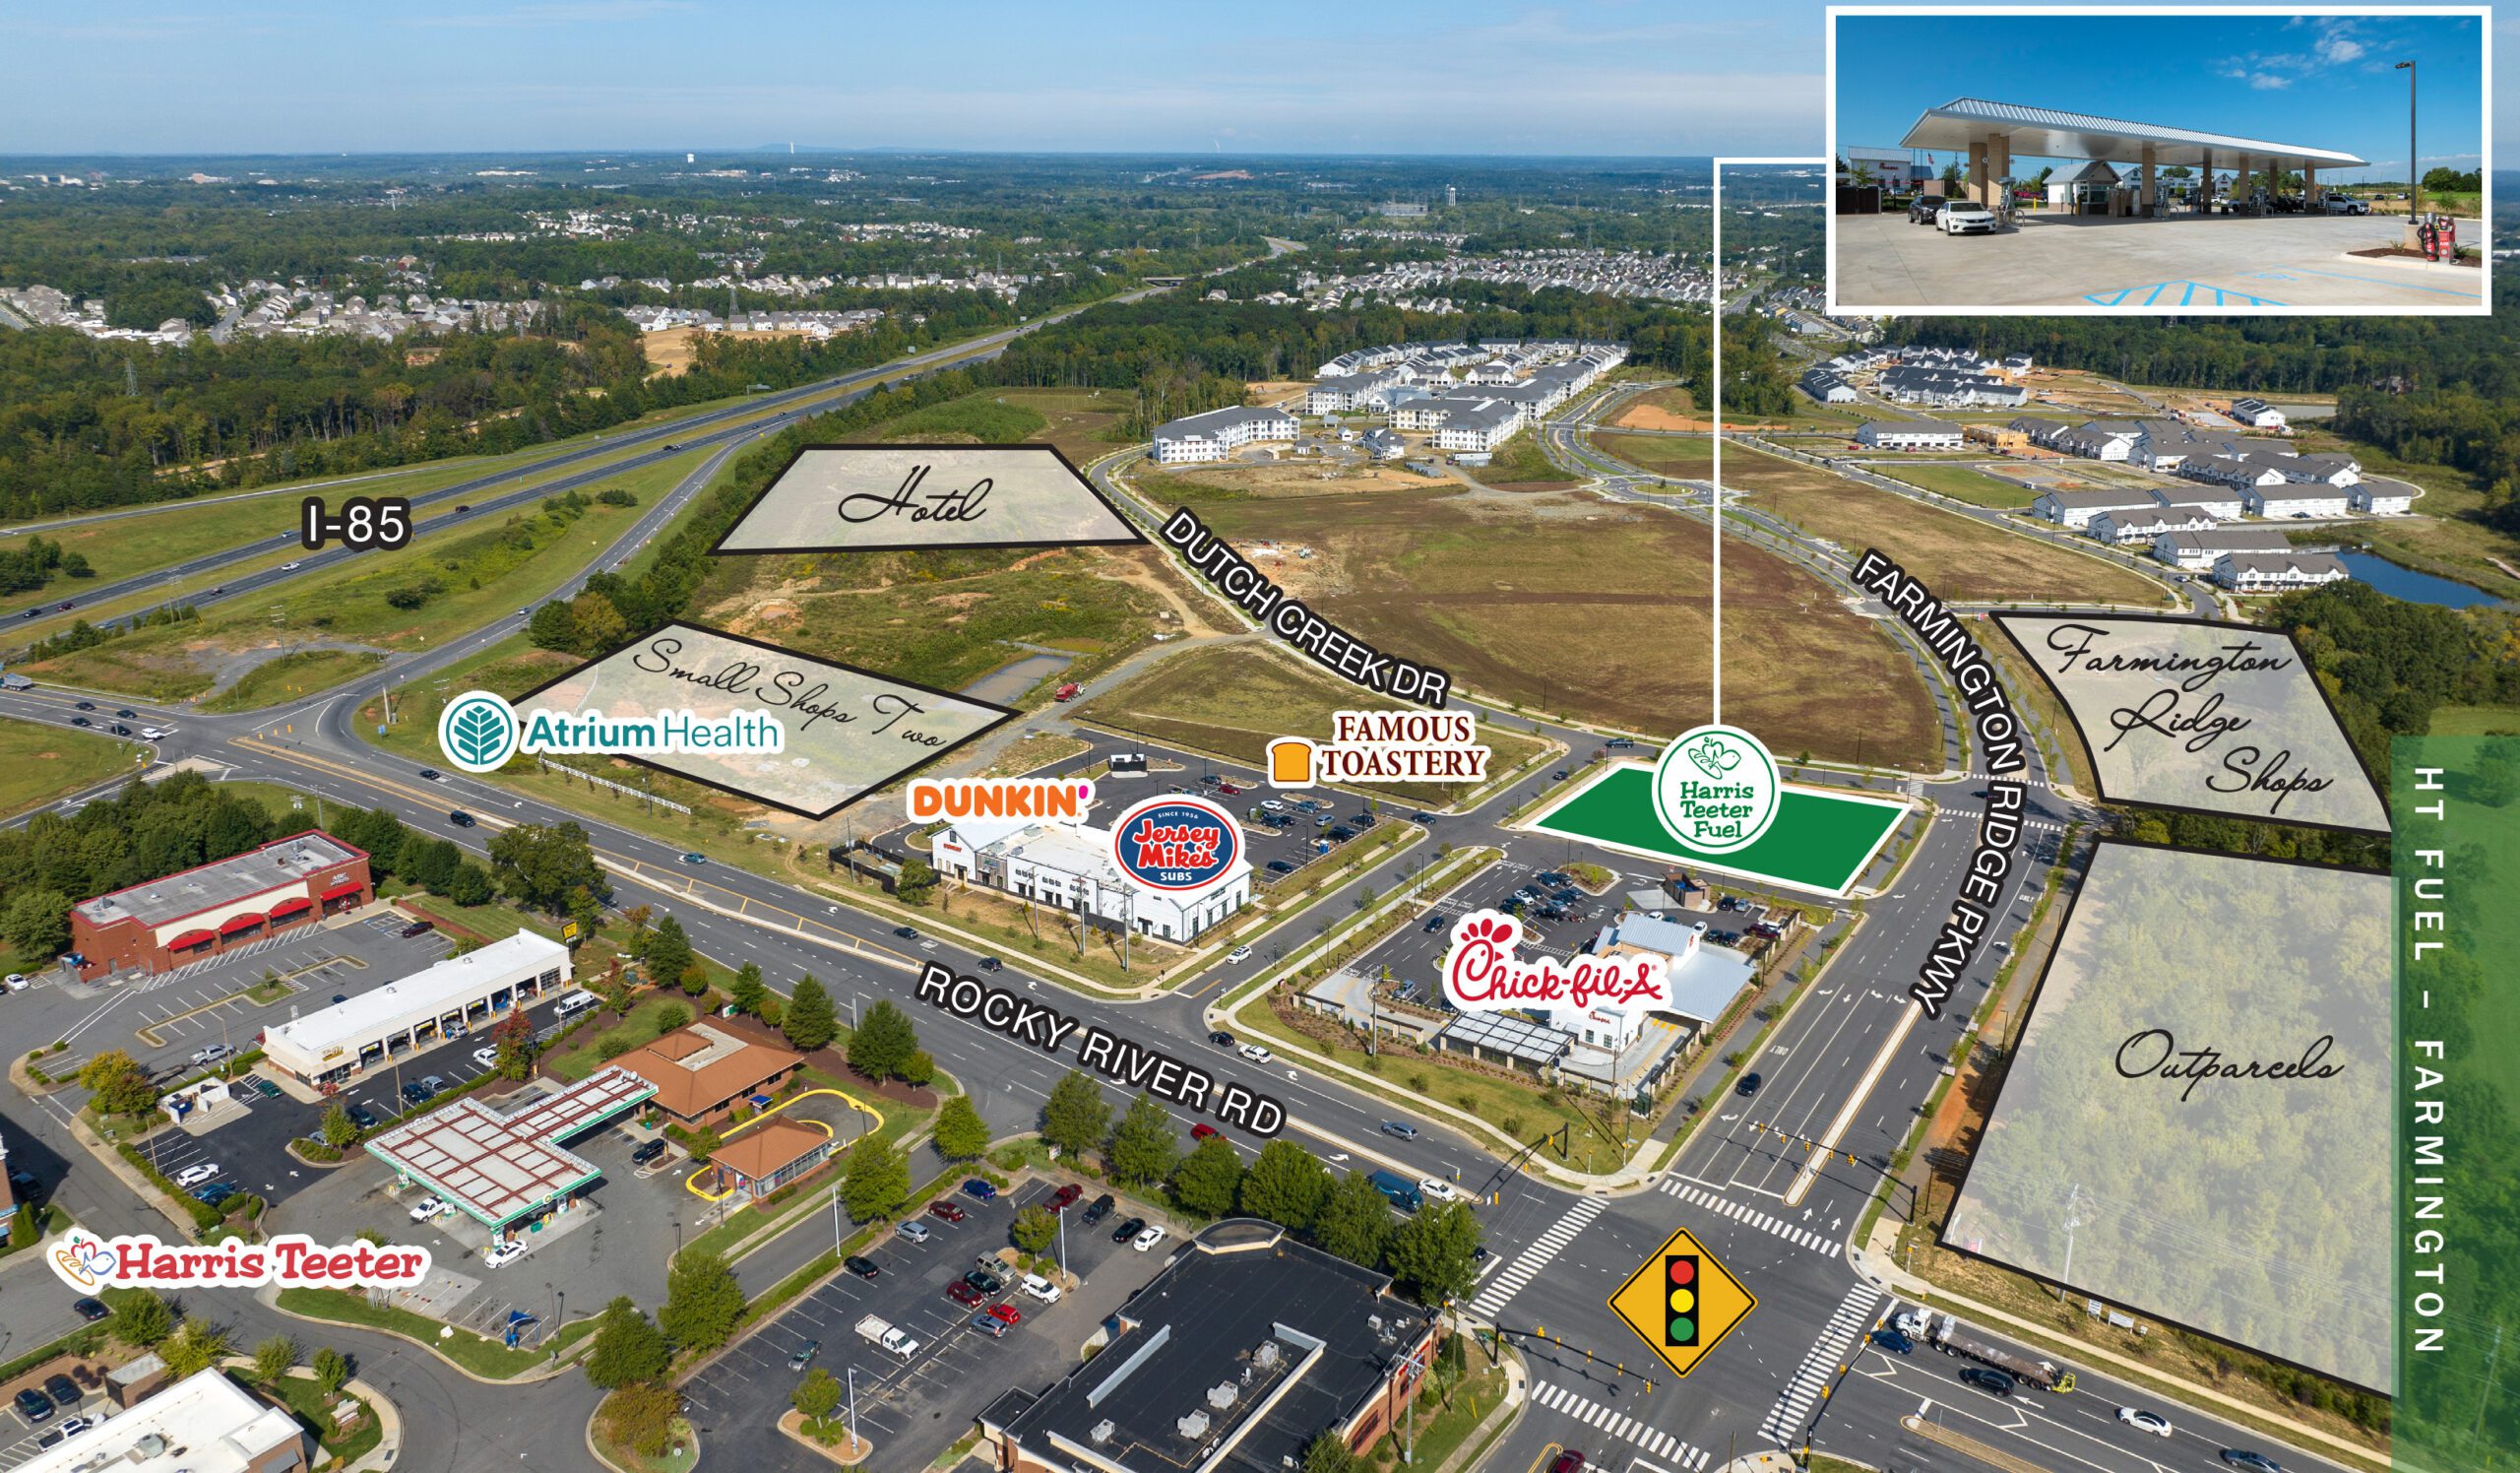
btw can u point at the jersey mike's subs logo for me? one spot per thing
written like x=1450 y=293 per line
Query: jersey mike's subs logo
x=1176 y=843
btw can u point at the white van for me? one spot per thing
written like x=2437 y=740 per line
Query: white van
x=575 y=1003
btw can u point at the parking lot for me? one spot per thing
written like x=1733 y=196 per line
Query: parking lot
x=2197 y=262
x=914 y=1409
x=82 y=1399
x=243 y=1144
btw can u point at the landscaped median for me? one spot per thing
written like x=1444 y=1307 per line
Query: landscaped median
x=477 y=1356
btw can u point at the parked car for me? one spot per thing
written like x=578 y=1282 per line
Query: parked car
x=647 y=1151
x=34 y=1405
x=1220 y=1039
x=1341 y=834
x=1128 y=1230
x=413 y=1093
x=804 y=1355
x=965 y=1295
x=863 y=1266
x=209 y=1054
x=418 y=928
x=194 y=1175
x=503 y=1254
x=1280 y=866
x=915 y=1231
x=1923 y=209
x=428 y=1210
x=433 y=1086
x=64 y=1395
x=946 y=1210
x=485 y=1056
x=990 y=1326
x=1036 y=1287
x=91 y=1309
x=985 y=1281
x=1099 y=1209
x=212 y=1195
x=1399 y=1130
x=1147 y=1238
x=980 y=1191
x=1006 y=1314
x=1065 y=1197
x=362 y=1116
x=1966 y=218
x=2344 y=204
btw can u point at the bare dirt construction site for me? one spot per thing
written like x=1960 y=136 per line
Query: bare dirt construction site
x=1959 y=557
x=670 y=352
x=1559 y=601
x=1671 y=409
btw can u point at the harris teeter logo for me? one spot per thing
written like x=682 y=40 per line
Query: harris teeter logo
x=479 y=732
x=1176 y=845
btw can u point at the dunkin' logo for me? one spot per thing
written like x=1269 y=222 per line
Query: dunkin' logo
x=1065 y=798
x=1481 y=974
x=1176 y=843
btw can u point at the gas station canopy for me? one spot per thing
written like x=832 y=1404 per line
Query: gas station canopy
x=2045 y=133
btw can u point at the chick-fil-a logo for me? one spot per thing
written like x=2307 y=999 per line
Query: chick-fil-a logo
x=1481 y=975
x=292 y=1261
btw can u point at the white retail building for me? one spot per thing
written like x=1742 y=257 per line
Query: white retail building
x=1070 y=865
x=332 y=1044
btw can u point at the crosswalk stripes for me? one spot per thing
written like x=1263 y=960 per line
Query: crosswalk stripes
x=1510 y=1279
x=1825 y=1247
x=1612 y=1424
x=1820 y=1364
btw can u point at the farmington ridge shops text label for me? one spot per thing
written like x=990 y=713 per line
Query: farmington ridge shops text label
x=1333 y=649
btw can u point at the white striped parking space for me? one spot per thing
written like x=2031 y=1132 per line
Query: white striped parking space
x=1825 y=1247
x=1612 y=1424
x=1792 y=1409
x=1510 y=1279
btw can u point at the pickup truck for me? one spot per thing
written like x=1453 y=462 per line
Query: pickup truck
x=878 y=1331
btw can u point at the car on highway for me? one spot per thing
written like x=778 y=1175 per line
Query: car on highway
x=84 y=705
x=1255 y=1053
x=1147 y=1238
x=1399 y=1130
x=1220 y=1039
x=2144 y=1421
x=429 y=774
x=1992 y=1382
x=128 y=714
x=1438 y=1190
x=1894 y=1342
x=1202 y=1132
x=81 y=720
x=290 y=567
x=485 y=1057
x=155 y=734
x=992 y=964
x=2255 y=1462
x=34 y=1405
x=916 y=1231
x=1128 y=1229
x=459 y=819
x=946 y=1210
x=965 y=1295
x=64 y=607
x=906 y=932
x=121 y=730
x=1099 y=1209
x=863 y=1266
x=694 y=858
x=194 y=1175
x=1434 y=922
x=1748 y=1086
x=503 y=1254
x=980 y=1191
x=804 y=1355
x=1238 y=954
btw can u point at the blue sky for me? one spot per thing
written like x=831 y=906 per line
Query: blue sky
x=2318 y=81
x=1657 y=78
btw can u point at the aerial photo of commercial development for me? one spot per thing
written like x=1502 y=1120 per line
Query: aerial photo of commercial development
x=1487 y=737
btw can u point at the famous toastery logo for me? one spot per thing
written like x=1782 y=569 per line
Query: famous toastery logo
x=292 y=1261
x=1176 y=845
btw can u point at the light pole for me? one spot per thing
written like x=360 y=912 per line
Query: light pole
x=835 y=1215
x=2414 y=169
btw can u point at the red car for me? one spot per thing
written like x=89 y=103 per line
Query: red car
x=1006 y=1314
x=1569 y=1461
x=947 y=1211
x=1202 y=1132
x=1065 y=1197
x=1227 y=788
x=964 y=1294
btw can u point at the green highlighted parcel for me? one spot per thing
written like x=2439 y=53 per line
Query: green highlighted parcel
x=1821 y=841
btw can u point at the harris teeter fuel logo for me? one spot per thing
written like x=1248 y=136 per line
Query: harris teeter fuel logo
x=1716 y=790
x=1176 y=844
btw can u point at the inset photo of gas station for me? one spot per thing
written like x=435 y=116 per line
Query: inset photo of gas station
x=2027 y=160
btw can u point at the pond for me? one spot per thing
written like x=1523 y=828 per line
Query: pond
x=2414 y=586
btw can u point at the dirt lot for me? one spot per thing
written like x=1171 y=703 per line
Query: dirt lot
x=1959 y=557
x=1305 y=479
x=1558 y=601
x=2074 y=389
x=670 y=352
x=1672 y=408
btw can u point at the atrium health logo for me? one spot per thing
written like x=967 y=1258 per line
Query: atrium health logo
x=477 y=731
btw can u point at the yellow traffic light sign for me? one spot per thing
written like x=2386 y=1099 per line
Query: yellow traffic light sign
x=1681 y=1303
